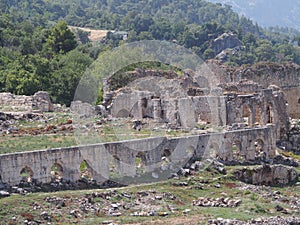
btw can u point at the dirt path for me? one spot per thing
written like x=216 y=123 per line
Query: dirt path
x=95 y=35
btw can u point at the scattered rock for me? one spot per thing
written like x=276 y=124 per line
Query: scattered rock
x=4 y=194
x=258 y=221
x=45 y=216
x=217 y=202
x=163 y=213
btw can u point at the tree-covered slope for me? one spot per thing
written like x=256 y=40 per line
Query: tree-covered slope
x=39 y=52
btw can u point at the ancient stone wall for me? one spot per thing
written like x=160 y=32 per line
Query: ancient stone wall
x=286 y=76
x=119 y=159
x=39 y=101
x=265 y=107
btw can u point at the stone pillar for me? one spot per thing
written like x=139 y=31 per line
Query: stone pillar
x=251 y=115
x=157 y=109
x=186 y=113
x=263 y=113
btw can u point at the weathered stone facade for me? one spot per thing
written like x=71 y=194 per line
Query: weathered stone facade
x=253 y=117
x=184 y=103
x=120 y=157
x=286 y=76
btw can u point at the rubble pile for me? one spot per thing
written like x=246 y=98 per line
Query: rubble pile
x=217 y=202
x=259 y=221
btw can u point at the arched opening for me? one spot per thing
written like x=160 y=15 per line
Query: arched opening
x=246 y=115
x=26 y=174
x=213 y=150
x=237 y=151
x=140 y=160
x=56 y=172
x=165 y=158
x=166 y=153
x=124 y=113
x=85 y=170
x=270 y=115
x=190 y=151
x=144 y=105
x=114 y=167
x=258 y=120
x=259 y=149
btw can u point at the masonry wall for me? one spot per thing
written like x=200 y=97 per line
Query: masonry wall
x=157 y=154
x=39 y=101
x=286 y=76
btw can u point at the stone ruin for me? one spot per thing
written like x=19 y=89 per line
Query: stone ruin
x=252 y=116
x=185 y=102
x=40 y=101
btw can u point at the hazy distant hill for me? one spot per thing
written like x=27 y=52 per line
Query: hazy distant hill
x=284 y=13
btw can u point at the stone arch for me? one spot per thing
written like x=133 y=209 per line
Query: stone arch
x=165 y=157
x=56 y=172
x=246 y=115
x=140 y=162
x=166 y=153
x=213 y=150
x=85 y=170
x=26 y=174
x=144 y=105
x=237 y=151
x=114 y=167
x=190 y=151
x=259 y=149
x=124 y=113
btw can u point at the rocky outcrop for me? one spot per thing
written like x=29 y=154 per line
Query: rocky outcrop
x=226 y=40
x=271 y=175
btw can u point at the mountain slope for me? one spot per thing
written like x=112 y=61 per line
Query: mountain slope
x=268 y=12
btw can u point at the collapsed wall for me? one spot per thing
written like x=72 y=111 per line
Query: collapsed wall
x=39 y=101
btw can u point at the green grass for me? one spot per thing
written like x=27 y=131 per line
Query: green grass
x=10 y=144
x=252 y=206
x=108 y=132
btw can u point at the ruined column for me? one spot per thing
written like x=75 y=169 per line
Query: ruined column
x=252 y=114
x=157 y=109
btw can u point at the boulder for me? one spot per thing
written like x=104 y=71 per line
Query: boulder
x=226 y=40
x=271 y=175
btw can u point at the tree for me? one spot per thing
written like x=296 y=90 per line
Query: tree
x=264 y=51
x=61 y=39
x=83 y=36
x=64 y=80
x=209 y=54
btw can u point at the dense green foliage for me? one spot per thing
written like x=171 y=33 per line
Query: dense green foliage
x=34 y=58
x=39 y=52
